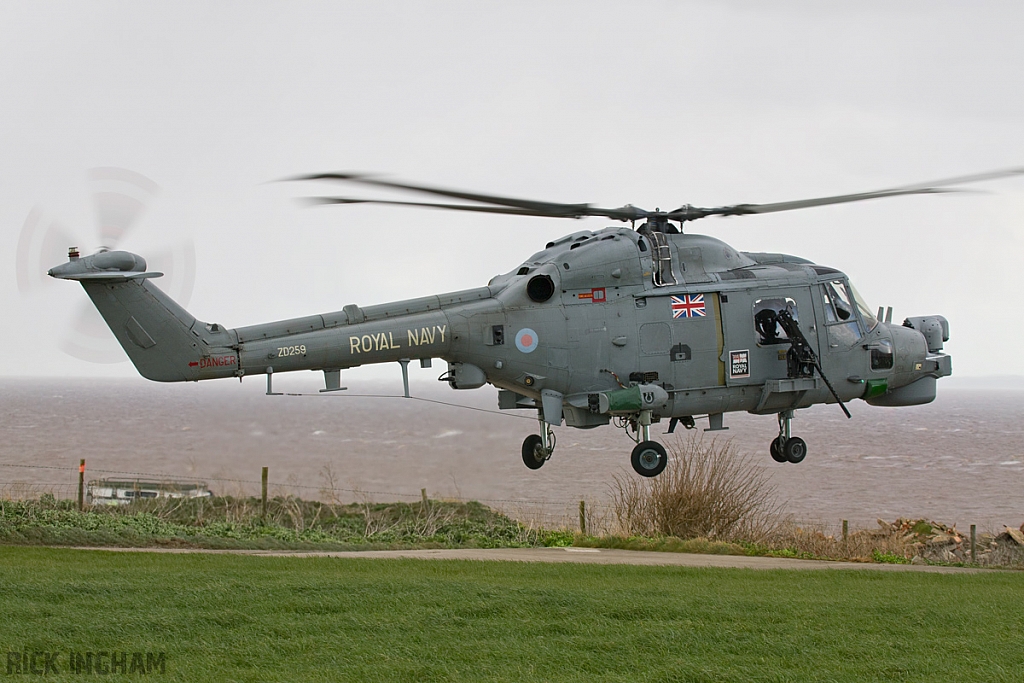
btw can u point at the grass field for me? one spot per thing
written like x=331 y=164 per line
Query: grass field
x=244 y=618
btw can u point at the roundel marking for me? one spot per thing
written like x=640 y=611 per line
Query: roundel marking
x=526 y=340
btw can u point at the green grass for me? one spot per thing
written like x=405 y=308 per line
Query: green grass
x=888 y=558
x=244 y=618
x=290 y=523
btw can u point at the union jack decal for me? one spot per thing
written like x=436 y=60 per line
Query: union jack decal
x=688 y=306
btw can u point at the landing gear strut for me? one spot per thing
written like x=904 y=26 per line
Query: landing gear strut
x=537 y=448
x=649 y=457
x=786 y=448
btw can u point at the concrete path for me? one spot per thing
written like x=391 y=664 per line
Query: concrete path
x=582 y=556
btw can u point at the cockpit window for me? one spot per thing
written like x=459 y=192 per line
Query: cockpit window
x=838 y=308
x=865 y=311
x=840 y=314
x=766 y=320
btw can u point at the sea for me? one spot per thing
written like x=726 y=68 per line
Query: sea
x=958 y=460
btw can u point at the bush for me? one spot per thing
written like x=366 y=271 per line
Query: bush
x=861 y=546
x=708 y=490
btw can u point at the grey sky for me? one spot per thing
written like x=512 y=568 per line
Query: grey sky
x=655 y=104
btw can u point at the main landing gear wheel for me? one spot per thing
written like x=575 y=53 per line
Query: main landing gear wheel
x=649 y=458
x=776 y=450
x=795 y=449
x=533 y=452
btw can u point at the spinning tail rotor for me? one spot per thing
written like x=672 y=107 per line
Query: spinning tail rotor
x=120 y=198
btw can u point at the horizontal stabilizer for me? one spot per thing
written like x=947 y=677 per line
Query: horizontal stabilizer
x=120 y=277
x=105 y=265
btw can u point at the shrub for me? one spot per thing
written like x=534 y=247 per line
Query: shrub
x=709 y=490
x=863 y=546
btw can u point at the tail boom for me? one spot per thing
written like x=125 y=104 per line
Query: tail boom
x=168 y=344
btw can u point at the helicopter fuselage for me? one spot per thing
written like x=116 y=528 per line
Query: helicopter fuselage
x=615 y=324
x=592 y=314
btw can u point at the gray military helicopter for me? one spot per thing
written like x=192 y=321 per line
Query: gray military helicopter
x=631 y=325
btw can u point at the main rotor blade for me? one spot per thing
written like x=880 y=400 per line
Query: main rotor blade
x=966 y=179
x=625 y=213
x=628 y=213
x=745 y=209
x=452 y=207
x=935 y=187
x=545 y=208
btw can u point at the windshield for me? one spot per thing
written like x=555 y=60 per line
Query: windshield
x=865 y=311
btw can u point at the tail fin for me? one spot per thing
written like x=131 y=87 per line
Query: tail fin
x=164 y=341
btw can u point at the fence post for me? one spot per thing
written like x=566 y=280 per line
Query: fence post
x=846 y=530
x=423 y=492
x=263 y=514
x=583 y=517
x=81 y=485
x=974 y=547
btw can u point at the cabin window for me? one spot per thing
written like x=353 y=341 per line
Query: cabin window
x=766 y=320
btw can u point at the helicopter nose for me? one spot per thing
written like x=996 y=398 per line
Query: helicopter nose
x=922 y=338
x=935 y=329
x=919 y=362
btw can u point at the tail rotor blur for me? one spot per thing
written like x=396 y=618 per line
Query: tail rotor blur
x=120 y=198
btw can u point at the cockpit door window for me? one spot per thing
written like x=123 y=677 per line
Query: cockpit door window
x=838 y=306
x=840 y=312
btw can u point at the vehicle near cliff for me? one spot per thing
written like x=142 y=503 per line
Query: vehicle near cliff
x=125 y=491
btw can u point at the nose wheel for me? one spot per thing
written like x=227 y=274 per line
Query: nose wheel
x=793 y=450
x=786 y=448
